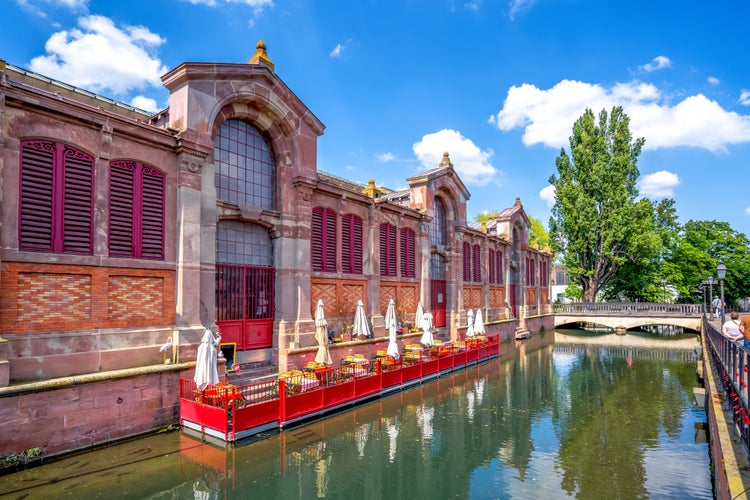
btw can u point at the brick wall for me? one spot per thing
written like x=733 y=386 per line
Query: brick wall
x=49 y=297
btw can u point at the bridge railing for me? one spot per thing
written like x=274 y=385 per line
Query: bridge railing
x=731 y=362
x=628 y=308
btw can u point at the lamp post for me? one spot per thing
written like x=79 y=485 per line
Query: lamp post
x=710 y=281
x=721 y=272
x=703 y=288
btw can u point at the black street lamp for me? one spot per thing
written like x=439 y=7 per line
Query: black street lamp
x=721 y=272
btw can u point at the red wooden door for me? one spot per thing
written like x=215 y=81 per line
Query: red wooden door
x=438 y=302
x=244 y=305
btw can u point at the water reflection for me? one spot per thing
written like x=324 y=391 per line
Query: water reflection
x=565 y=421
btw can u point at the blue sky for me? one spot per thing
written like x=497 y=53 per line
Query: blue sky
x=497 y=84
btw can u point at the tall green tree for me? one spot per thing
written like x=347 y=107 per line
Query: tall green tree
x=597 y=225
x=538 y=233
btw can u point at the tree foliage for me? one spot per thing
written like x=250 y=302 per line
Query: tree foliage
x=597 y=225
x=538 y=233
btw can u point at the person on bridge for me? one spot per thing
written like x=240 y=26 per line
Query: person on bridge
x=716 y=303
x=731 y=329
x=745 y=330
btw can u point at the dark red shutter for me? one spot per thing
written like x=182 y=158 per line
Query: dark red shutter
x=408 y=258
x=357 y=245
x=351 y=244
x=79 y=202
x=152 y=214
x=121 y=181
x=391 y=250
x=491 y=265
x=467 y=261
x=499 y=264
x=330 y=241
x=477 y=261
x=384 y=249
x=35 y=211
x=316 y=240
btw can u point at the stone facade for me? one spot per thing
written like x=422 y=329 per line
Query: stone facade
x=72 y=314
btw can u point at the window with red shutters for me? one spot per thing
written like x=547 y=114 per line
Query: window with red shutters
x=56 y=198
x=476 y=259
x=387 y=250
x=499 y=267
x=408 y=257
x=351 y=244
x=491 y=265
x=467 y=261
x=323 y=240
x=136 y=210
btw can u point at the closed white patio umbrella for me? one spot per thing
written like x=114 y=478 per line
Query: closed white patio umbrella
x=418 y=316
x=321 y=335
x=427 y=327
x=360 y=321
x=470 y=321
x=390 y=325
x=206 y=372
x=478 y=323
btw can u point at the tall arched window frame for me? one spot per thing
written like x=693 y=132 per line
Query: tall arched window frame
x=244 y=165
x=438 y=226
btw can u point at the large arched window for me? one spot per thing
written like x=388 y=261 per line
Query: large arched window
x=243 y=243
x=245 y=170
x=438 y=224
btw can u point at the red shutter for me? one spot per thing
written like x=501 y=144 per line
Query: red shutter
x=152 y=214
x=330 y=241
x=79 y=202
x=357 y=247
x=384 y=249
x=477 y=261
x=408 y=259
x=346 y=243
x=491 y=265
x=121 y=180
x=35 y=211
x=391 y=250
x=499 y=264
x=316 y=239
x=467 y=261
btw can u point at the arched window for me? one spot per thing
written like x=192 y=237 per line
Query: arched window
x=245 y=170
x=438 y=224
x=56 y=199
x=136 y=210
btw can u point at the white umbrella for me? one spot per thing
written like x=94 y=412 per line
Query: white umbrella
x=360 y=321
x=470 y=321
x=418 y=316
x=390 y=324
x=205 y=363
x=427 y=327
x=321 y=335
x=478 y=323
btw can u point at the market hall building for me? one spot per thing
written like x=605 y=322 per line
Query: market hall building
x=123 y=231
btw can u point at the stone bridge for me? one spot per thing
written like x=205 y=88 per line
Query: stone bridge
x=627 y=315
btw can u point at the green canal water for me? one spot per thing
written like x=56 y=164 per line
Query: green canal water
x=545 y=420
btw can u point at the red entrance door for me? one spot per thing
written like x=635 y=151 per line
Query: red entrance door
x=244 y=305
x=438 y=302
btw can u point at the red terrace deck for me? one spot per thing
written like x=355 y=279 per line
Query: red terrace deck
x=231 y=413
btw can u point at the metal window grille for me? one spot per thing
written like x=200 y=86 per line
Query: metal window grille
x=245 y=168
x=244 y=292
x=243 y=243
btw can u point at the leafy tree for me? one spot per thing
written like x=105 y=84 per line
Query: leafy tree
x=485 y=216
x=597 y=226
x=538 y=233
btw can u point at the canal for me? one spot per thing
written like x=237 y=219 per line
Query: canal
x=565 y=420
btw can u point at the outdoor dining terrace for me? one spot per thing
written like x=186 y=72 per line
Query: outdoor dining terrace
x=230 y=413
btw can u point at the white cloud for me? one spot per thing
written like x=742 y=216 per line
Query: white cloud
x=518 y=6
x=747 y=210
x=144 y=103
x=547 y=116
x=658 y=185
x=337 y=50
x=712 y=80
x=547 y=195
x=100 y=56
x=471 y=163
x=386 y=157
x=257 y=5
x=745 y=97
x=658 y=62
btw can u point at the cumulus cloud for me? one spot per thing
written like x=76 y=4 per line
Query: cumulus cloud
x=547 y=116
x=101 y=56
x=745 y=97
x=547 y=195
x=386 y=157
x=337 y=50
x=657 y=63
x=471 y=163
x=658 y=185
x=144 y=103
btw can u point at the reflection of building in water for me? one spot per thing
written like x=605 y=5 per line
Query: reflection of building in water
x=392 y=431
